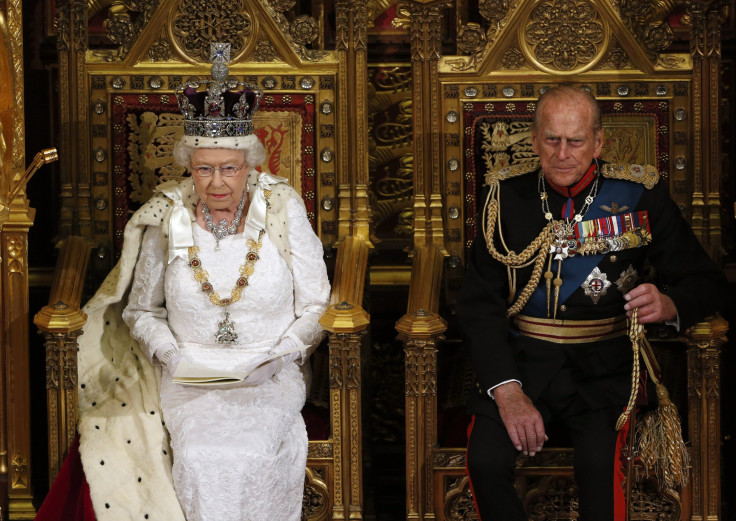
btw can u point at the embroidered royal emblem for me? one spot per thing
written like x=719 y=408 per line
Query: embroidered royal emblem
x=614 y=208
x=628 y=279
x=596 y=285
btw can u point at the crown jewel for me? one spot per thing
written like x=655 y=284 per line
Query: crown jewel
x=220 y=111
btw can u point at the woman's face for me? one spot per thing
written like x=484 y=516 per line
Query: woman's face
x=219 y=191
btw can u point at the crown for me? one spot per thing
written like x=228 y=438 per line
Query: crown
x=220 y=111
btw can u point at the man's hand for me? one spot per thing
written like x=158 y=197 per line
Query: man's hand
x=522 y=420
x=653 y=305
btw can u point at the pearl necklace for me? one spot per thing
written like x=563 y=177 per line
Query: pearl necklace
x=223 y=228
x=565 y=243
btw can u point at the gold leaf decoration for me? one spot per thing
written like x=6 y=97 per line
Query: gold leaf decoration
x=201 y=22
x=564 y=35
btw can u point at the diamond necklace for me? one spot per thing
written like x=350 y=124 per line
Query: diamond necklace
x=223 y=228
x=565 y=243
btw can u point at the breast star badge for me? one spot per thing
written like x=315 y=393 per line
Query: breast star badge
x=627 y=280
x=596 y=285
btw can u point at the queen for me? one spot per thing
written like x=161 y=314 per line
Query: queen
x=220 y=271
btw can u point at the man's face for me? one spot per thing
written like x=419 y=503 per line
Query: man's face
x=565 y=141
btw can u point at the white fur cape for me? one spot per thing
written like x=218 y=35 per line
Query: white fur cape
x=123 y=443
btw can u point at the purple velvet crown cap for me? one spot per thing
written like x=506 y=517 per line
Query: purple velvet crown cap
x=231 y=99
x=218 y=112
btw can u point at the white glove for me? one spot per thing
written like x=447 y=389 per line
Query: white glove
x=170 y=357
x=266 y=371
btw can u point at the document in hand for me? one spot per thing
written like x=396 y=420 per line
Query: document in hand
x=192 y=373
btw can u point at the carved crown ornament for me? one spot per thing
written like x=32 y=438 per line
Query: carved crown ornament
x=565 y=37
x=187 y=27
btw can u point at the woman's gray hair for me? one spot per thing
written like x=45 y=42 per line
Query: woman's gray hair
x=254 y=153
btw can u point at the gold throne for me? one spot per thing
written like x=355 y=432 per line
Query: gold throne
x=472 y=112
x=119 y=120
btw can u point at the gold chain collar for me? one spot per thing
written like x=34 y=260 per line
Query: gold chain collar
x=246 y=270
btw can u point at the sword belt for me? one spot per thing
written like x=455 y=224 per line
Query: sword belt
x=571 y=331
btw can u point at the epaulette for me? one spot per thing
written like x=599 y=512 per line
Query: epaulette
x=644 y=174
x=511 y=171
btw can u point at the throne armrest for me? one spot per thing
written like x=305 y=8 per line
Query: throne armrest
x=422 y=318
x=711 y=328
x=61 y=322
x=345 y=313
x=347 y=323
x=63 y=314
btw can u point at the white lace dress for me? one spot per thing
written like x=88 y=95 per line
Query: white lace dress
x=239 y=453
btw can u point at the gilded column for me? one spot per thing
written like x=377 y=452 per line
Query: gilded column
x=14 y=248
x=421 y=421
x=420 y=329
x=705 y=341
x=705 y=49
x=345 y=398
x=61 y=394
x=352 y=153
x=74 y=196
x=7 y=115
x=15 y=223
x=426 y=49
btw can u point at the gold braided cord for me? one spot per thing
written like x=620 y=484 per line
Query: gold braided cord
x=536 y=252
x=526 y=293
x=512 y=259
x=636 y=332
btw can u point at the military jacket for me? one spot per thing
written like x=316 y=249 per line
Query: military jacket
x=593 y=286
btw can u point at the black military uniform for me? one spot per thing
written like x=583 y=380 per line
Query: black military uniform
x=584 y=384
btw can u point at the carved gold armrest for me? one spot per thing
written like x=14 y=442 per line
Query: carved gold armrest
x=422 y=318
x=345 y=313
x=711 y=328
x=63 y=313
x=61 y=322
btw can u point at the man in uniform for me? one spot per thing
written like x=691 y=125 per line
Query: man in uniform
x=562 y=253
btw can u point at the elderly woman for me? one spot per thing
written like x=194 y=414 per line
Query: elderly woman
x=227 y=272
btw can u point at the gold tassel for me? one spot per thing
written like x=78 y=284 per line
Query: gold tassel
x=659 y=440
x=659 y=443
x=557 y=282
x=548 y=281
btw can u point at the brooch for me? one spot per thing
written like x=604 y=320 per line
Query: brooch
x=614 y=208
x=627 y=280
x=596 y=285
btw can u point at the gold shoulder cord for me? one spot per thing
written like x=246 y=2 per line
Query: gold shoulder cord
x=538 y=248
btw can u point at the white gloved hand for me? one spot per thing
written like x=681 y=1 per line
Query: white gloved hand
x=174 y=361
x=266 y=371
x=169 y=356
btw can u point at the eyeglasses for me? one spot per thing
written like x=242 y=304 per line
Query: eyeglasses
x=225 y=171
